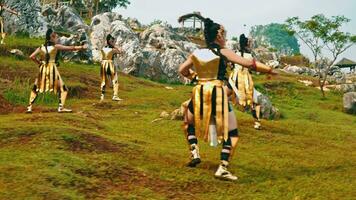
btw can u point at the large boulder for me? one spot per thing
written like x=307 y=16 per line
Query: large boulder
x=164 y=51
x=64 y=19
x=350 y=102
x=131 y=59
x=156 y=53
x=268 y=111
x=78 y=56
x=100 y=27
x=345 y=88
x=29 y=21
x=112 y=23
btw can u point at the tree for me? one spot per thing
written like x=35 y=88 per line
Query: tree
x=322 y=36
x=109 y=5
x=100 y=6
x=275 y=36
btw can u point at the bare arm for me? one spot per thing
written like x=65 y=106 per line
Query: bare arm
x=185 y=68
x=70 y=48
x=117 y=50
x=234 y=58
x=34 y=54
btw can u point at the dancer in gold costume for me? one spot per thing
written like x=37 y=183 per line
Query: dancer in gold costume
x=108 y=71
x=2 y=31
x=209 y=104
x=49 y=79
x=241 y=83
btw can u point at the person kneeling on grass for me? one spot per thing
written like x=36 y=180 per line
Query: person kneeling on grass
x=49 y=79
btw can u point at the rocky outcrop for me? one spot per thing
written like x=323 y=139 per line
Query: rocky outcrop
x=126 y=38
x=345 y=88
x=29 y=21
x=164 y=50
x=300 y=70
x=350 y=102
x=156 y=53
x=65 y=19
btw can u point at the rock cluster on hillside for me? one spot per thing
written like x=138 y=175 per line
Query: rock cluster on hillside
x=30 y=19
x=154 y=53
x=300 y=70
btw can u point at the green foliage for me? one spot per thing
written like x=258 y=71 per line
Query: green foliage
x=109 y=5
x=235 y=38
x=103 y=5
x=156 y=21
x=276 y=36
x=319 y=33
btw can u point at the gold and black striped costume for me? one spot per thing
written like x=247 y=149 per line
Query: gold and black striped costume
x=108 y=70
x=49 y=79
x=209 y=96
x=241 y=83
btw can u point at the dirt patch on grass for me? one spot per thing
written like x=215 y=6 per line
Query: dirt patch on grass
x=86 y=142
x=16 y=136
x=127 y=180
x=6 y=107
x=109 y=105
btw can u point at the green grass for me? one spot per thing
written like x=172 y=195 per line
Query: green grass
x=114 y=151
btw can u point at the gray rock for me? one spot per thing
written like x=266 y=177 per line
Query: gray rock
x=337 y=78
x=156 y=53
x=300 y=70
x=350 y=102
x=30 y=20
x=268 y=111
x=100 y=27
x=17 y=53
x=345 y=88
x=126 y=38
x=134 y=23
x=65 y=19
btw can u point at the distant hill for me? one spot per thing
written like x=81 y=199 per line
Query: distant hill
x=274 y=36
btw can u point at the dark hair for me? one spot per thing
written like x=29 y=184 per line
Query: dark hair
x=108 y=38
x=49 y=43
x=243 y=44
x=211 y=30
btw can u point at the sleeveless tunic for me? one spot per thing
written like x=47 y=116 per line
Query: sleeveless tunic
x=49 y=79
x=209 y=95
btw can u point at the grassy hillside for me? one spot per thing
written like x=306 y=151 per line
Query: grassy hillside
x=114 y=150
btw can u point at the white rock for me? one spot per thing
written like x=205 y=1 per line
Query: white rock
x=349 y=101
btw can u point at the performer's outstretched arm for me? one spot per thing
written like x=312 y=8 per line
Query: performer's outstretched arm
x=70 y=48
x=253 y=64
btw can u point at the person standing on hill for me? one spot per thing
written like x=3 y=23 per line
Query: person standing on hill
x=209 y=102
x=108 y=71
x=244 y=93
x=49 y=79
x=3 y=8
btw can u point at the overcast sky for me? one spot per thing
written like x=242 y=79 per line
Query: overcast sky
x=233 y=14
